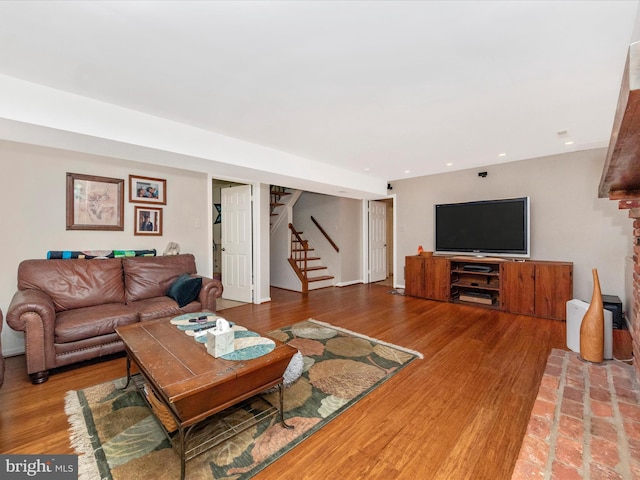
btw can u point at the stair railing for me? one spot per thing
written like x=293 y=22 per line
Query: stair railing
x=326 y=235
x=276 y=192
x=299 y=254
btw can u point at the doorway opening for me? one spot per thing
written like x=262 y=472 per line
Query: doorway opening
x=232 y=239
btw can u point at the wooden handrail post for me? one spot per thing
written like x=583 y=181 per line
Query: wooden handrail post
x=299 y=255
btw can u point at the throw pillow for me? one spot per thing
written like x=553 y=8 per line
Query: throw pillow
x=185 y=289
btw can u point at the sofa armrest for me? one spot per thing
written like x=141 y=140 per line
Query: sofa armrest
x=32 y=312
x=211 y=289
x=33 y=302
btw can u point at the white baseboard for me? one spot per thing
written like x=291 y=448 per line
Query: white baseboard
x=346 y=284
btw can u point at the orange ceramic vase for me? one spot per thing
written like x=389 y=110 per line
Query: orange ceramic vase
x=592 y=326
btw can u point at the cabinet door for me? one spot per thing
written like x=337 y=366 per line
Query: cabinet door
x=518 y=287
x=414 y=284
x=554 y=288
x=437 y=278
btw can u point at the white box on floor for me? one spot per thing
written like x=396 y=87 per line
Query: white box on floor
x=575 y=312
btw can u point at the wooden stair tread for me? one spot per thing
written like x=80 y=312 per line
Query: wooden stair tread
x=280 y=194
x=319 y=279
x=301 y=249
x=310 y=269
x=276 y=204
x=308 y=259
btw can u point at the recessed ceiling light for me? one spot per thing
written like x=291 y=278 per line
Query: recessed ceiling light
x=502 y=154
x=449 y=164
x=367 y=169
x=407 y=171
x=570 y=142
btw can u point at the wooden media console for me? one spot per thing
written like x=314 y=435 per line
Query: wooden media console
x=530 y=287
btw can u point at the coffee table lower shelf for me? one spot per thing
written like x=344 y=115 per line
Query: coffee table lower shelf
x=212 y=431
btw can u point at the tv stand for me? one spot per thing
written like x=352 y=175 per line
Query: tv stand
x=529 y=287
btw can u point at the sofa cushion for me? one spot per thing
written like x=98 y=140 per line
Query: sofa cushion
x=185 y=289
x=74 y=283
x=82 y=323
x=158 y=307
x=149 y=277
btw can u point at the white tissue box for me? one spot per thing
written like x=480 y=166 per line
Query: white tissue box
x=219 y=343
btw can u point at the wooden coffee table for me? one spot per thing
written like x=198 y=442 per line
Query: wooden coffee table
x=192 y=384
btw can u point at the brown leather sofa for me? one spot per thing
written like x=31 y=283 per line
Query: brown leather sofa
x=1 y=357
x=69 y=309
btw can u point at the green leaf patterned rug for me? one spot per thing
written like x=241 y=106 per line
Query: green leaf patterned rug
x=117 y=437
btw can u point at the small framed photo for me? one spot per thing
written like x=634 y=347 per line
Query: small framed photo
x=147 y=190
x=94 y=203
x=148 y=221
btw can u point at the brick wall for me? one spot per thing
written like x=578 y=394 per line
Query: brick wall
x=634 y=318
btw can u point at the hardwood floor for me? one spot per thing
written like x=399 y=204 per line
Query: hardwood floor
x=460 y=413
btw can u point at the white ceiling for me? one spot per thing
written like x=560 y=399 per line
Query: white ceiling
x=368 y=86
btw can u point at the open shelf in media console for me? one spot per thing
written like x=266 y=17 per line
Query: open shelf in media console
x=457 y=269
x=477 y=285
x=476 y=282
x=472 y=298
x=483 y=281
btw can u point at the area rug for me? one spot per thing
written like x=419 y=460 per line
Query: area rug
x=117 y=437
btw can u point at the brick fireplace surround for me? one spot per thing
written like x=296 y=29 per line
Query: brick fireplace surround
x=585 y=422
x=634 y=212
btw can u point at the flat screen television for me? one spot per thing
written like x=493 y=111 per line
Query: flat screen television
x=490 y=227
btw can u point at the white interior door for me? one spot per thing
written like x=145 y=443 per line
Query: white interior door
x=377 y=241
x=237 y=260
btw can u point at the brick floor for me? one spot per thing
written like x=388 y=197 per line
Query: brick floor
x=585 y=423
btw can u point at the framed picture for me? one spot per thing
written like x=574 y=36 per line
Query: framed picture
x=148 y=221
x=218 y=213
x=94 y=203
x=147 y=190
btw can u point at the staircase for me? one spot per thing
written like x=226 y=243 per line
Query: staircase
x=306 y=264
x=277 y=194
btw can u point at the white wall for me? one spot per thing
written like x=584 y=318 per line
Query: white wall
x=261 y=242
x=282 y=274
x=33 y=203
x=568 y=220
x=350 y=243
